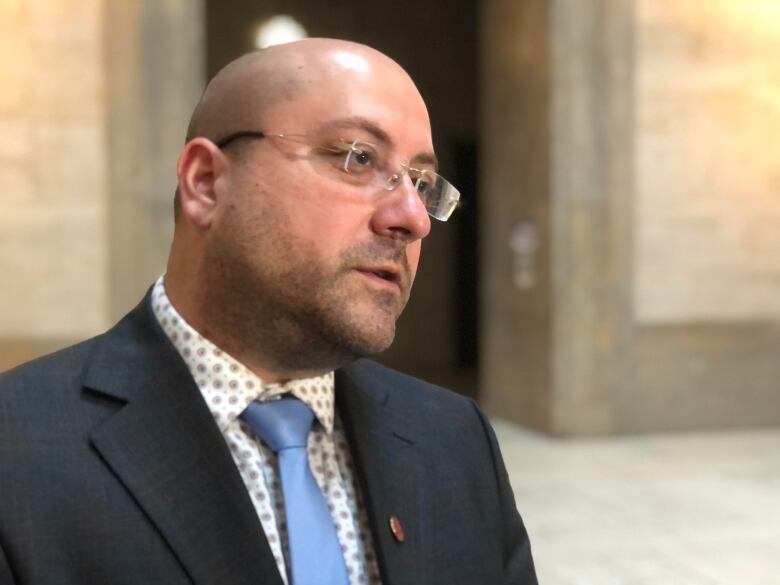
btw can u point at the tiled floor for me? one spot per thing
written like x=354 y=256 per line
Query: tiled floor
x=684 y=509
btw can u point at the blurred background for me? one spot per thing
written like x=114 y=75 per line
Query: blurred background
x=609 y=291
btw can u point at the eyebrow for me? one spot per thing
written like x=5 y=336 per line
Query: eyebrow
x=378 y=133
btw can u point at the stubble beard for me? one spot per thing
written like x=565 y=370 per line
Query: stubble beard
x=295 y=315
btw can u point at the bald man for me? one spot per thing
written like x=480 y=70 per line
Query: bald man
x=306 y=185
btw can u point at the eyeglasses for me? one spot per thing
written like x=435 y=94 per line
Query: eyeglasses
x=363 y=165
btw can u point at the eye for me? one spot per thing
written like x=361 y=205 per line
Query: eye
x=422 y=185
x=424 y=182
x=361 y=159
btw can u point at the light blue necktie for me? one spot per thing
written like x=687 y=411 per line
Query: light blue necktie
x=315 y=552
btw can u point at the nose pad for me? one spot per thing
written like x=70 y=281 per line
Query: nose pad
x=393 y=181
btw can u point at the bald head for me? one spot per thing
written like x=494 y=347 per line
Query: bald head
x=323 y=72
x=240 y=95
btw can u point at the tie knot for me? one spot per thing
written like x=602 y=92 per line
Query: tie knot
x=282 y=424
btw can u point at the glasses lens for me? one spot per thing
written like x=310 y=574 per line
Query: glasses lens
x=440 y=197
x=363 y=164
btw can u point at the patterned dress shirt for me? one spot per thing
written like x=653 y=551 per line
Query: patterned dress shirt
x=228 y=387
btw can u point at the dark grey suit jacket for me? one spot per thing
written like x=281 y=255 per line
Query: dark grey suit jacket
x=112 y=471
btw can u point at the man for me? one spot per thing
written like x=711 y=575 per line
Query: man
x=304 y=191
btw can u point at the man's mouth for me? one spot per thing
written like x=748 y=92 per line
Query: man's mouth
x=388 y=274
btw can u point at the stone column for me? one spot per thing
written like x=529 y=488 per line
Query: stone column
x=516 y=324
x=93 y=108
x=155 y=71
x=557 y=181
x=591 y=222
x=53 y=197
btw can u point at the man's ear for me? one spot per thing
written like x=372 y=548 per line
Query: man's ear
x=199 y=166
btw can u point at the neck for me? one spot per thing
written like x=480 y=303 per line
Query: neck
x=183 y=296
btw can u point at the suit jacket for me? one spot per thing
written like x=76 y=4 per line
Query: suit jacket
x=112 y=471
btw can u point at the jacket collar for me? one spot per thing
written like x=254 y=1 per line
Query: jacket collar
x=384 y=436
x=163 y=446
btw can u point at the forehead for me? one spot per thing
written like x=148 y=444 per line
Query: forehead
x=383 y=105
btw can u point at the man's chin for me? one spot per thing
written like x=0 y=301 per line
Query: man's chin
x=369 y=337
x=352 y=328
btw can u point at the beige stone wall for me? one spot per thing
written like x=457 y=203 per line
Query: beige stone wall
x=53 y=201
x=707 y=158
x=94 y=102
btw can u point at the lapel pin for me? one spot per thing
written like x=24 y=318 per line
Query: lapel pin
x=396 y=529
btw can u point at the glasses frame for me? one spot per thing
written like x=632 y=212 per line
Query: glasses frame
x=391 y=180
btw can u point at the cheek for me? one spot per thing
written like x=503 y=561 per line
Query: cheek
x=413 y=256
x=330 y=219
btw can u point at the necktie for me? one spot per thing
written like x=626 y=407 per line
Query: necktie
x=315 y=552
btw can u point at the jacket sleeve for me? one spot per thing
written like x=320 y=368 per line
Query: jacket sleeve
x=518 y=562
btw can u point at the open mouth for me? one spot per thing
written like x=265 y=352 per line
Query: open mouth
x=386 y=275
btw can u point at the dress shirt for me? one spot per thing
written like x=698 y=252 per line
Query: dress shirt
x=228 y=387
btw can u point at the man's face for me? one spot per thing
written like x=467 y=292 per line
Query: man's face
x=314 y=268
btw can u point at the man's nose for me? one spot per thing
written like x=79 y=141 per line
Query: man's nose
x=401 y=212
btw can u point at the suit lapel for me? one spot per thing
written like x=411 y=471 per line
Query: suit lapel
x=383 y=444
x=163 y=445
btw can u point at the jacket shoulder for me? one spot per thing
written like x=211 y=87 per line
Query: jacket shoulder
x=66 y=366
x=366 y=370
x=424 y=398
x=52 y=369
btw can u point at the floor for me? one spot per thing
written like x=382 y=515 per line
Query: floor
x=685 y=509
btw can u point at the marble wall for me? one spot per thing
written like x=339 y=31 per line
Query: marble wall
x=707 y=156
x=53 y=244
x=706 y=244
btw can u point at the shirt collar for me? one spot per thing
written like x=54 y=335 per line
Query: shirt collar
x=226 y=384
